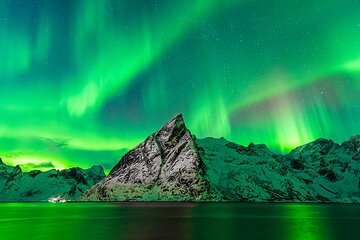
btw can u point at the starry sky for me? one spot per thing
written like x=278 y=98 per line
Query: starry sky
x=84 y=81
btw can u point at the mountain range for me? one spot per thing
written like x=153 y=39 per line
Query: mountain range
x=173 y=165
x=52 y=185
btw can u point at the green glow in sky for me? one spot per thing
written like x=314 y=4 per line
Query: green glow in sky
x=82 y=82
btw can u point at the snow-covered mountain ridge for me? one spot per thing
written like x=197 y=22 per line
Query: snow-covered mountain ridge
x=68 y=184
x=172 y=165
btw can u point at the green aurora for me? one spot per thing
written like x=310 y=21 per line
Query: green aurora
x=84 y=81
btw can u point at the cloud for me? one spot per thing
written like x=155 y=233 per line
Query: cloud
x=14 y=154
x=54 y=143
x=42 y=165
x=41 y=145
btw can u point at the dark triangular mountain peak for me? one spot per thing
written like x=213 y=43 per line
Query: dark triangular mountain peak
x=320 y=146
x=172 y=165
x=167 y=159
x=176 y=124
x=172 y=132
x=353 y=144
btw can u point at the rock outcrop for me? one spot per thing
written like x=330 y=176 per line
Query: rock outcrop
x=331 y=170
x=68 y=184
x=165 y=167
x=250 y=174
x=320 y=171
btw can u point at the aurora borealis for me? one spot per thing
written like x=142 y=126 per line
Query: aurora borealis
x=84 y=81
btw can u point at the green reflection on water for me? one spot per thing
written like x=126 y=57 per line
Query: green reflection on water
x=213 y=221
x=178 y=221
x=307 y=222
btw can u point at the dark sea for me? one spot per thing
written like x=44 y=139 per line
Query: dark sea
x=179 y=221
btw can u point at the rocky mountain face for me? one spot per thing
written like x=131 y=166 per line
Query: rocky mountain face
x=165 y=167
x=53 y=185
x=250 y=174
x=172 y=165
x=331 y=170
x=320 y=171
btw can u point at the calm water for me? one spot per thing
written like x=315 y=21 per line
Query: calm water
x=178 y=221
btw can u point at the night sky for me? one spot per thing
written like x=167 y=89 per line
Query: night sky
x=82 y=82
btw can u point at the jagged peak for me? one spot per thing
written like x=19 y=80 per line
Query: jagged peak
x=321 y=145
x=354 y=138
x=171 y=133
x=353 y=143
x=74 y=169
x=175 y=122
x=1 y=162
x=322 y=140
x=258 y=146
x=165 y=138
x=17 y=169
x=97 y=168
x=178 y=115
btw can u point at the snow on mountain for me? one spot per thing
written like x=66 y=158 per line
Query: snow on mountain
x=165 y=167
x=68 y=184
x=331 y=170
x=172 y=165
x=252 y=173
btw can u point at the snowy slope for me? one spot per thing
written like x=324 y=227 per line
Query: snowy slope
x=252 y=173
x=5 y=173
x=68 y=184
x=330 y=169
x=172 y=165
x=165 y=167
